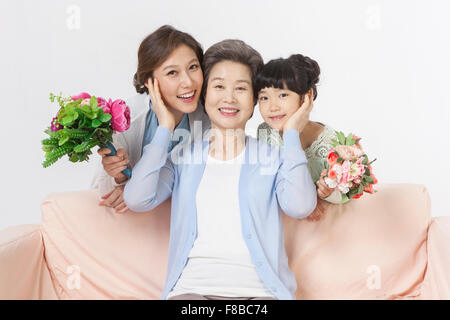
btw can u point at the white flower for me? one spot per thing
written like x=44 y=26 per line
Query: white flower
x=344 y=188
x=331 y=183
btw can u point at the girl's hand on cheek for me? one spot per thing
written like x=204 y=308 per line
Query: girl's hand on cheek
x=300 y=118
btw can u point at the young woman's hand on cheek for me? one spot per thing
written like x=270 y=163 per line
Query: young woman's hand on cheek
x=300 y=118
x=164 y=115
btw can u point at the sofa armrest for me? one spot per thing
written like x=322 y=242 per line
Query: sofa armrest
x=23 y=269
x=436 y=284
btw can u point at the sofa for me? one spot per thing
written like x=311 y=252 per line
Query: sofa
x=382 y=246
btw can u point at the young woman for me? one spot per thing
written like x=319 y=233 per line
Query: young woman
x=174 y=58
x=226 y=230
x=282 y=85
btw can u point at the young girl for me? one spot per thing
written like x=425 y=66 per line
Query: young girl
x=374 y=229
x=282 y=85
x=226 y=229
x=174 y=58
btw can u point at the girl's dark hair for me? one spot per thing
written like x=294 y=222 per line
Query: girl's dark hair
x=297 y=73
x=156 y=48
x=235 y=51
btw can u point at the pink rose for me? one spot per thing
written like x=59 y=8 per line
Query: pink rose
x=82 y=95
x=349 y=152
x=332 y=157
x=101 y=102
x=332 y=174
x=357 y=196
x=369 y=188
x=120 y=113
x=345 y=172
x=107 y=106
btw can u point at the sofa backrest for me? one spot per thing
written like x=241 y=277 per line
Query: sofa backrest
x=370 y=248
x=95 y=253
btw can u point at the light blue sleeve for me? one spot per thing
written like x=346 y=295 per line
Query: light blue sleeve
x=295 y=189
x=153 y=176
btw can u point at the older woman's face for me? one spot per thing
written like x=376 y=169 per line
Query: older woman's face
x=180 y=80
x=229 y=95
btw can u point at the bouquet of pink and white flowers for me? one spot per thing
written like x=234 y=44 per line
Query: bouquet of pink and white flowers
x=83 y=122
x=349 y=169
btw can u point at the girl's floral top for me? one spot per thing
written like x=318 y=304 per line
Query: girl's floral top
x=316 y=154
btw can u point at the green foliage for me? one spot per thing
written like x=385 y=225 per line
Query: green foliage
x=85 y=126
x=86 y=145
x=334 y=143
x=53 y=156
x=344 y=198
x=50 y=142
x=366 y=160
x=341 y=137
x=350 y=140
x=96 y=123
x=343 y=140
x=63 y=140
x=105 y=117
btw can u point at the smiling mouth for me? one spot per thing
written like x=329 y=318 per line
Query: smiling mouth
x=277 y=118
x=188 y=97
x=228 y=112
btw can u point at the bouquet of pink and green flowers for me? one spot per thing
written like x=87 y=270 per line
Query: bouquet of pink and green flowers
x=83 y=122
x=349 y=169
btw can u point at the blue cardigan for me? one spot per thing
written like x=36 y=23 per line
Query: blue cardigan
x=271 y=179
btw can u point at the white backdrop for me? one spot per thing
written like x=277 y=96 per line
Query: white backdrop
x=385 y=68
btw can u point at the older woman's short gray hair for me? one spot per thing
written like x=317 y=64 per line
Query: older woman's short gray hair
x=231 y=50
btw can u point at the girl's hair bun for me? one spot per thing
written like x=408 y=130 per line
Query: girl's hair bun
x=305 y=64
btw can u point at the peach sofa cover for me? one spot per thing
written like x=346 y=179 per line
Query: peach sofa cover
x=383 y=246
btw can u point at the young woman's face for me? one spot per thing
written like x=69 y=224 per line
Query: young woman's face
x=229 y=95
x=277 y=105
x=180 y=79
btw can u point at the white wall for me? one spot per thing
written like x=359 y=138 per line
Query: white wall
x=385 y=67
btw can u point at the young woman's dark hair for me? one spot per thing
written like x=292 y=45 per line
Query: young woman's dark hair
x=156 y=48
x=297 y=73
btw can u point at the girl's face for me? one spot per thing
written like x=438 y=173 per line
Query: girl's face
x=277 y=105
x=180 y=80
x=229 y=95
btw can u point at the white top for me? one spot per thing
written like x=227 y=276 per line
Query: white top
x=219 y=262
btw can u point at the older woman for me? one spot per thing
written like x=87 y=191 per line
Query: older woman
x=226 y=237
